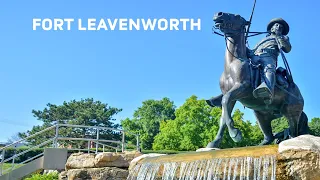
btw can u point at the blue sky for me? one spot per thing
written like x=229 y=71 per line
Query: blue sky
x=124 y=68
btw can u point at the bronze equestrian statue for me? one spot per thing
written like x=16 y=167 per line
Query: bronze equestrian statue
x=252 y=78
x=266 y=53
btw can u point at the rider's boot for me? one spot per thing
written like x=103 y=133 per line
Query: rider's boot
x=266 y=89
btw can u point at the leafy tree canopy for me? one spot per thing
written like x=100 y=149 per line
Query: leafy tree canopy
x=196 y=124
x=315 y=126
x=146 y=119
x=83 y=112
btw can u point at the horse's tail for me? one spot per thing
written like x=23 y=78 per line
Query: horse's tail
x=215 y=101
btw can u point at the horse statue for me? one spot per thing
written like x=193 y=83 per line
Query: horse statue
x=236 y=84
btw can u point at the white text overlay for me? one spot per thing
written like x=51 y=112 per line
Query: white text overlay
x=121 y=24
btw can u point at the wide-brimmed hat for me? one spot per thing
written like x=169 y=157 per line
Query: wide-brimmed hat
x=280 y=21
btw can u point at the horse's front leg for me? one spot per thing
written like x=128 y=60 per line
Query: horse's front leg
x=228 y=101
x=222 y=127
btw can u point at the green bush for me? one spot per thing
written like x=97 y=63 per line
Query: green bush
x=49 y=176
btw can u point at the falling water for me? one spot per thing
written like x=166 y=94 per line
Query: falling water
x=241 y=168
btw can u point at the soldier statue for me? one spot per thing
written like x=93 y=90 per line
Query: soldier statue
x=266 y=54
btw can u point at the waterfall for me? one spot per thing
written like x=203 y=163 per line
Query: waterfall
x=239 y=168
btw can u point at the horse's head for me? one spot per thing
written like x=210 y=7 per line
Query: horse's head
x=229 y=23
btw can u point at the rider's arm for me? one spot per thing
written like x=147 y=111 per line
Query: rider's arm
x=285 y=43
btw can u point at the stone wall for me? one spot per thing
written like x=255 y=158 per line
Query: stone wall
x=103 y=166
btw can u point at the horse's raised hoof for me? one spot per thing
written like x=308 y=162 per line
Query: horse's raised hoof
x=213 y=144
x=209 y=103
x=236 y=135
x=215 y=101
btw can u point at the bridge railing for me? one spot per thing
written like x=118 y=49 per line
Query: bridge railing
x=59 y=140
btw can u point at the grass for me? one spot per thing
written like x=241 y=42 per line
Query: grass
x=34 y=176
x=7 y=166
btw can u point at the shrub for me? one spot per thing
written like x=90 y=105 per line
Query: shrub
x=49 y=176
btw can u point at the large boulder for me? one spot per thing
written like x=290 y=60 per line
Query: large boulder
x=107 y=173
x=298 y=165
x=106 y=159
x=80 y=160
x=303 y=142
x=299 y=158
x=121 y=160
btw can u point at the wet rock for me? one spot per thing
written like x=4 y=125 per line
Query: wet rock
x=107 y=173
x=136 y=160
x=206 y=149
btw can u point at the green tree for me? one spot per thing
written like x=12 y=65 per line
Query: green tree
x=86 y=112
x=131 y=126
x=171 y=139
x=196 y=124
x=256 y=135
x=315 y=126
x=188 y=130
x=279 y=124
x=146 y=120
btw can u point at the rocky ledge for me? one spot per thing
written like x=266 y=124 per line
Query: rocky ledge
x=107 y=173
x=103 y=166
x=299 y=159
